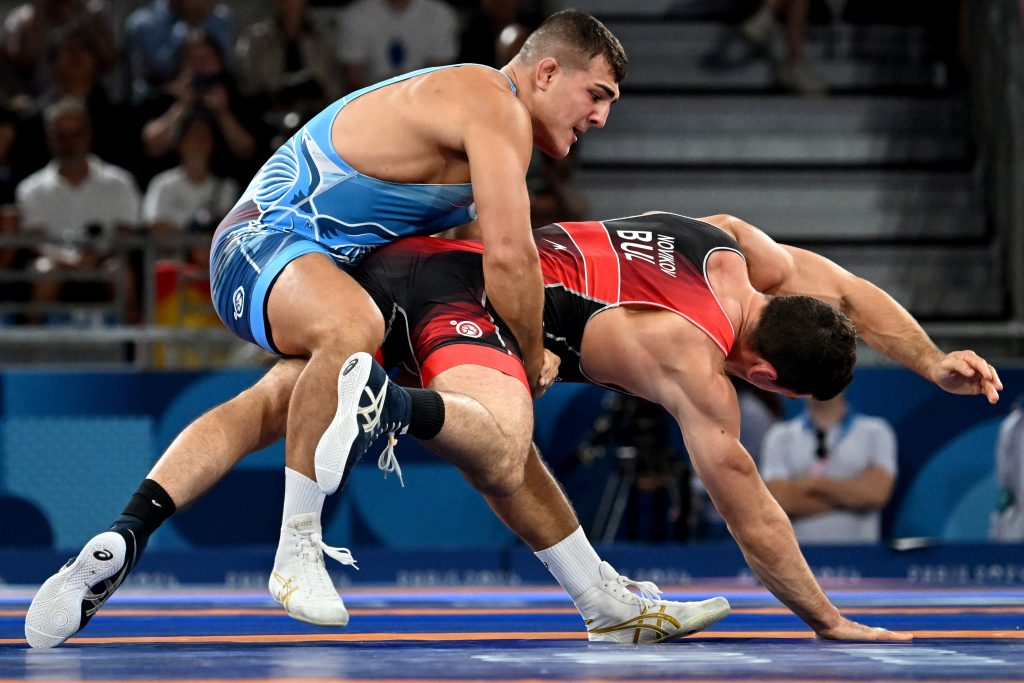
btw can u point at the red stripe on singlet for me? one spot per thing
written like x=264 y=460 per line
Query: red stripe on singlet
x=599 y=258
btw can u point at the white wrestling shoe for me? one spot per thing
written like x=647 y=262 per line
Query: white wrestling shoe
x=614 y=614
x=67 y=600
x=300 y=581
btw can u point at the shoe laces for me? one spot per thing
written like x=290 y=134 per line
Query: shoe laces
x=648 y=591
x=388 y=462
x=311 y=551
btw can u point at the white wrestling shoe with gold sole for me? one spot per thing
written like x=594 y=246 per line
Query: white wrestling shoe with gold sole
x=300 y=581
x=615 y=614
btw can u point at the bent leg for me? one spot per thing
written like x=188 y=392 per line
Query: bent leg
x=539 y=512
x=614 y=608
x=317 y=310
x=488 y=421
x=211 y=445
x=194 y=462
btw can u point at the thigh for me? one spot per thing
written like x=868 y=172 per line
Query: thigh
x=315 y=305
x=245 y=262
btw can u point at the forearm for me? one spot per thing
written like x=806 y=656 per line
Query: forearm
x=238 y=139
x=770 y=548
x=515 y=289
x=158 y=134
x=889 y=328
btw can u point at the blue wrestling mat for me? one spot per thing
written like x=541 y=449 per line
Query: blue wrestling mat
x=517 y=634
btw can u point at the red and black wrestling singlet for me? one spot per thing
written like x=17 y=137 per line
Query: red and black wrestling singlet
x=431 y=291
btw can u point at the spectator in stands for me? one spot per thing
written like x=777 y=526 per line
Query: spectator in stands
x=74 y=63
x=156 y=34
x=203 y=80
x=286 y=64
x=481 y=32
x=384 y=38
x=78 y=204
x=832 y=470
x=1008 y=519
x=27 y=33
x=762 y=29
x=189 y=198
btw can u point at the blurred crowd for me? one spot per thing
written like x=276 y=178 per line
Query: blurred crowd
x=112 y=131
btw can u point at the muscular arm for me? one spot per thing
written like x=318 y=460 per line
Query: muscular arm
x=691 y=384
x=710 y=426
x=498 y=141
x=881 y=321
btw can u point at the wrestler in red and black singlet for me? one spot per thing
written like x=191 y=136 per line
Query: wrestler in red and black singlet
x=431 y=291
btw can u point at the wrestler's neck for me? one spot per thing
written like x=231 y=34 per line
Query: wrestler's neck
x=520 y=73
x=742 y=356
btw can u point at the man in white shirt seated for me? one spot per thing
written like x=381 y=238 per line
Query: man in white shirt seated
x=832 y=470
x=77 y=204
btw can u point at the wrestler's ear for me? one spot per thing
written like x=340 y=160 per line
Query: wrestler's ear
x=762 y=372
x=545 y=72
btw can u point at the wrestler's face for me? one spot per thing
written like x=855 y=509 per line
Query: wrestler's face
x=574 y=101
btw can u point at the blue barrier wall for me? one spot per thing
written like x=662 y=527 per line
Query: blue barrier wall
x=75 y=445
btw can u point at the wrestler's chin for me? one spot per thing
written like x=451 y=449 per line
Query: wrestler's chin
x=556 y=151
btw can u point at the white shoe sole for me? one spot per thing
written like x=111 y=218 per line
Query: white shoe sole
x=56 y=611
x=333 y=449
x=711 y=612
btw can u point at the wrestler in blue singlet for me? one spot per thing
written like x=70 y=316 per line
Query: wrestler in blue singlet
x=305 y=199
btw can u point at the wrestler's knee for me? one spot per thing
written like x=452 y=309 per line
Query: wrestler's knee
x=270 y=397
x=499 y=484
x=360 y=328
x=507 y=475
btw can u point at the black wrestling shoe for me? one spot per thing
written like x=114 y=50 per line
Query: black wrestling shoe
x=369 y=404
x=69 y=599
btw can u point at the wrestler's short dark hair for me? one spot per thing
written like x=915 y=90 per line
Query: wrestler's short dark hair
x=811 y=345
x=574 y=38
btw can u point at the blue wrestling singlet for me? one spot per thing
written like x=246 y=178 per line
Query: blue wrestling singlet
x=306 y=199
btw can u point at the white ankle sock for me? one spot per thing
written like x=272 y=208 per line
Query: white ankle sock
x=301 y=495
x=573 y=562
